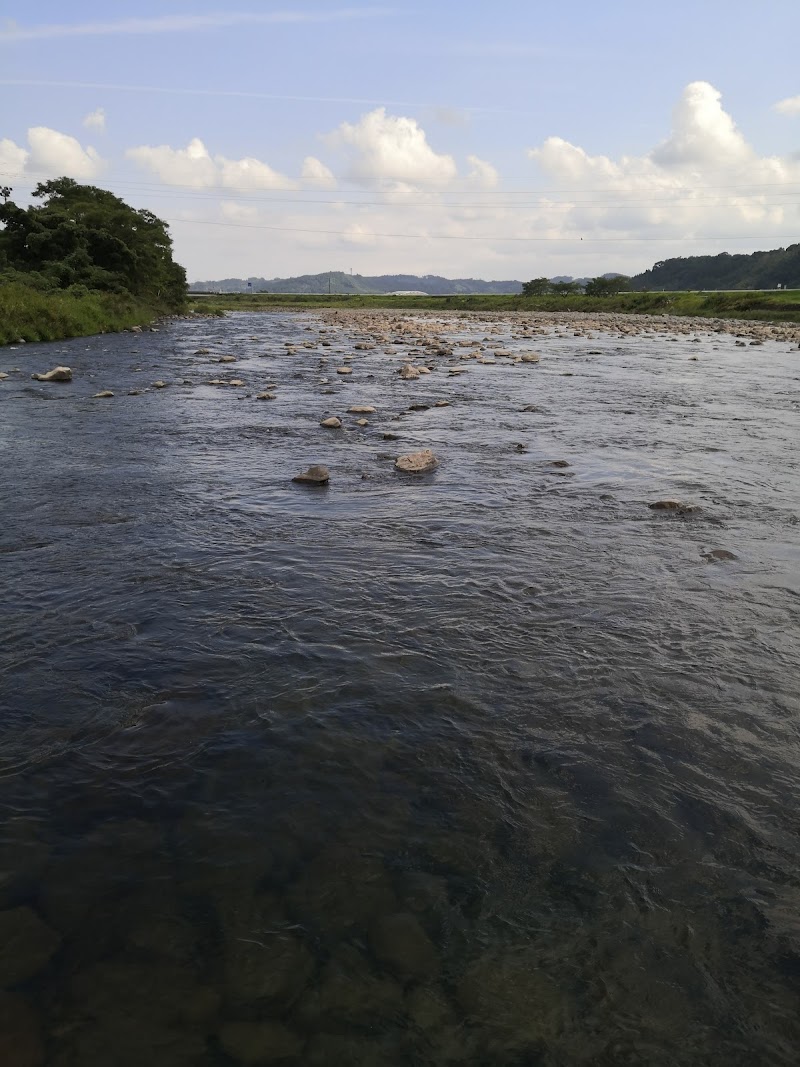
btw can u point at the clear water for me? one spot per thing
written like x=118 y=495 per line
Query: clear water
x=490 y=766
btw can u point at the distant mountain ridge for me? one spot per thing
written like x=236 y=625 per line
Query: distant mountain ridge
x=339 y=282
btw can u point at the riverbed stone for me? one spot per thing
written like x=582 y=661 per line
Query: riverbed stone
x=361 y=409
x=344 y=370
x=265 y=396
x=102 y=395
x=717 y=555
x=340 y=890
x=400 y=943
x=57 y=374
x=264 y=959
x=408 y=373
x=510 y=994
x=26 y=945
x=260 y=1042
x=332 y=423
x=349 y=993
x=21 y=1043
x=315 y=475
x=666 y=505
x=417 y=462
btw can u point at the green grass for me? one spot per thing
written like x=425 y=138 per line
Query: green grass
x=51 y=316
x=780 y=306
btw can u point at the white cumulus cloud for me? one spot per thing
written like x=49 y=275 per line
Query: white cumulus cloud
x=194 y=166
x=391 y=148
x=315 y=173
x=50 y=154
x=95 y=120
x=789 y=106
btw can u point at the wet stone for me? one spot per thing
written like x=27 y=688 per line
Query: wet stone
x=26 y=945
x=401 y=944
x=349 y=993
x=260 y=1042
x=21 y=1043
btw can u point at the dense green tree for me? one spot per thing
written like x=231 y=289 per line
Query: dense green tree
x=81 y=235
x=608 y=286
x=537 y=287
x=566 y=288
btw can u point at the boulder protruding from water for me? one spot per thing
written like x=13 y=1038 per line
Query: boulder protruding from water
x=57 y=374
x=417 y=462
x=408 y=373
x=332 y=423
x=315 y=475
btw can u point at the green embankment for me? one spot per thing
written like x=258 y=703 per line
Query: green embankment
x=782 y=306
x=30 y=315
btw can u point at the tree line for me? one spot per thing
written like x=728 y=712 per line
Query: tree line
x=82 y=239
x=605 y=285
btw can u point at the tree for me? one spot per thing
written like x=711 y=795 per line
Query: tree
x=83 y=235
x=608 y=286
x=537 y=287
x=566 y=288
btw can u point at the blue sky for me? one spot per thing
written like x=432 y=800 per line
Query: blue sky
x=493 y=140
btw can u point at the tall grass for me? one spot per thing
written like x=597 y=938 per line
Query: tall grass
x=32 y=315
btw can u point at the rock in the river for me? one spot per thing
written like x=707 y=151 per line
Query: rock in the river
x=259 y=1042
x=102 y=394
x=416 y=462
x=57 y=374
x=26 y=945
x=408 y=373
x=3 y=376
x=442 y=404
x=265 y=396
x=332 y=423
x=315 y=475
x=226 y=359
x=666 y=505
x=361 y=409
x=362 y=422
x=530 y=357
x=344 y=370
x=159 y=385
x=716 y=555
x=21 y=1042
x=509 y=993
x=401 y=944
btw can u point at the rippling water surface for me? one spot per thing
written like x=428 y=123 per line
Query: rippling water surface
x=493 y=766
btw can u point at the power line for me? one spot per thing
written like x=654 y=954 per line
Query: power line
x=440 y=190
x=487 y=239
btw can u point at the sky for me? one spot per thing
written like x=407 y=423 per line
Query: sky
x=503 y=140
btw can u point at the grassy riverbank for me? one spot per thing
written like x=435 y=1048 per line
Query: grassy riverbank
x=782 y=306
x=32 y=315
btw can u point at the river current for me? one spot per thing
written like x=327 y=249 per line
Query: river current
x=491 y=766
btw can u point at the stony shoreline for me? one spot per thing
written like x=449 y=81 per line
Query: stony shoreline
x=579 y=323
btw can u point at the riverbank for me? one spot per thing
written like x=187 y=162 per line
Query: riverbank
x=30 y=315
x=783 y=306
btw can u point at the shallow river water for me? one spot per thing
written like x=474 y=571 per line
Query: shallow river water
x=490 y=766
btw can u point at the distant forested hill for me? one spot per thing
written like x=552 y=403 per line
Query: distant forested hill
x=339 y=282
x=761 y=270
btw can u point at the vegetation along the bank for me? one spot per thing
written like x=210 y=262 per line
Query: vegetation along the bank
x=779 y=306
x=82 y=261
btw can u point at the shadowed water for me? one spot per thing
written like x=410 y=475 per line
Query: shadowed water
x=493 y=766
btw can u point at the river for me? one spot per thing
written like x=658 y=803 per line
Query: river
x=496 y=765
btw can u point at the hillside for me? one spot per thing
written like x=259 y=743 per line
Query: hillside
x=339 y=282
x=760 y=270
